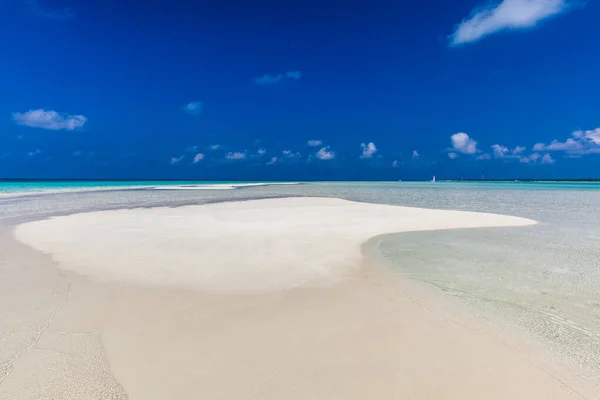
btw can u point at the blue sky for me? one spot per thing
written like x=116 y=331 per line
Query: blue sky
x=299 y=89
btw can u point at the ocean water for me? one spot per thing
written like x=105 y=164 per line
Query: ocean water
x=542 y=281
x=37 y=186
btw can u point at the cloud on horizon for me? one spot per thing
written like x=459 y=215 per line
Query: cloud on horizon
x=314 y=143
x=325 y=154
x=580 y=143
x=368 y=150
x=462 y=143
x=176 y=160
x=506 y=15
x=236 y=155
x=198 y=157
x=47 y=119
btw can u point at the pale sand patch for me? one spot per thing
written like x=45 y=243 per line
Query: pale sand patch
x=258 y=245
x=214 y=316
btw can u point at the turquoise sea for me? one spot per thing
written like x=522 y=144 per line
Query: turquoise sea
x=41 y=185
x=15 y=186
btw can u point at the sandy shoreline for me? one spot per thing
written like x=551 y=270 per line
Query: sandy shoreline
x=264 y=299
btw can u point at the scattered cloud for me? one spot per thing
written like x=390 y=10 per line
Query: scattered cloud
x=368 y=150
x=273 y=160
x=518 y=150
x=214 y=147
x=83 y=154
x=581 y=142
x=193 y=108
x=176 y=160
x=290 y=155
x=293 y=75
x=395 y=164
x=325 y=154
x=547 y=159
x=537 y=158
x=452 y=156
x=499 y=150
x=505 y=15
x=236 y=155
x=191 y=149
x=484 y=156
x=198 y=157
x=46 y=119
x=41 y=11
x=268 y=79
x=462 y=143
x=415 y=154
x=35 y=153
x=314 y=143
x=261 y=152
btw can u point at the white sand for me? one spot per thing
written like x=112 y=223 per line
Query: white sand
x=253 y=245
x=264 y=299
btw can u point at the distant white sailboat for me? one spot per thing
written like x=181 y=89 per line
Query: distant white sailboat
x=433 y=180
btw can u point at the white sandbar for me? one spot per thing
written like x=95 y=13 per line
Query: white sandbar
x=255 y=245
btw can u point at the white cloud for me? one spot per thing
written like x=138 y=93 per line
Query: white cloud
x=452 y=156
x=273 y=160
x=462 y=143
x=368 y=150
x=214 y=147
x=415 y=154
x=194 y=108
x=508 y=14
x=547 y=159
x=537 y=157
x=314 y=143
x=35 y=153
x=580 y=142
x=288 y=154
x=395 y=164
x=499 y=150
x=268 y=79
x=47 y=119
x=198 y=157
x=325 y=154
x=77 y=153
x=261 y=152
x=176 y=160
x=483 y=156
x=235 y=155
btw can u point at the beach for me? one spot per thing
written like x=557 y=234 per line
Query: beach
x=248 y=298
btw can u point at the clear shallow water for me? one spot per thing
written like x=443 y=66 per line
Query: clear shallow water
x=542 y=280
